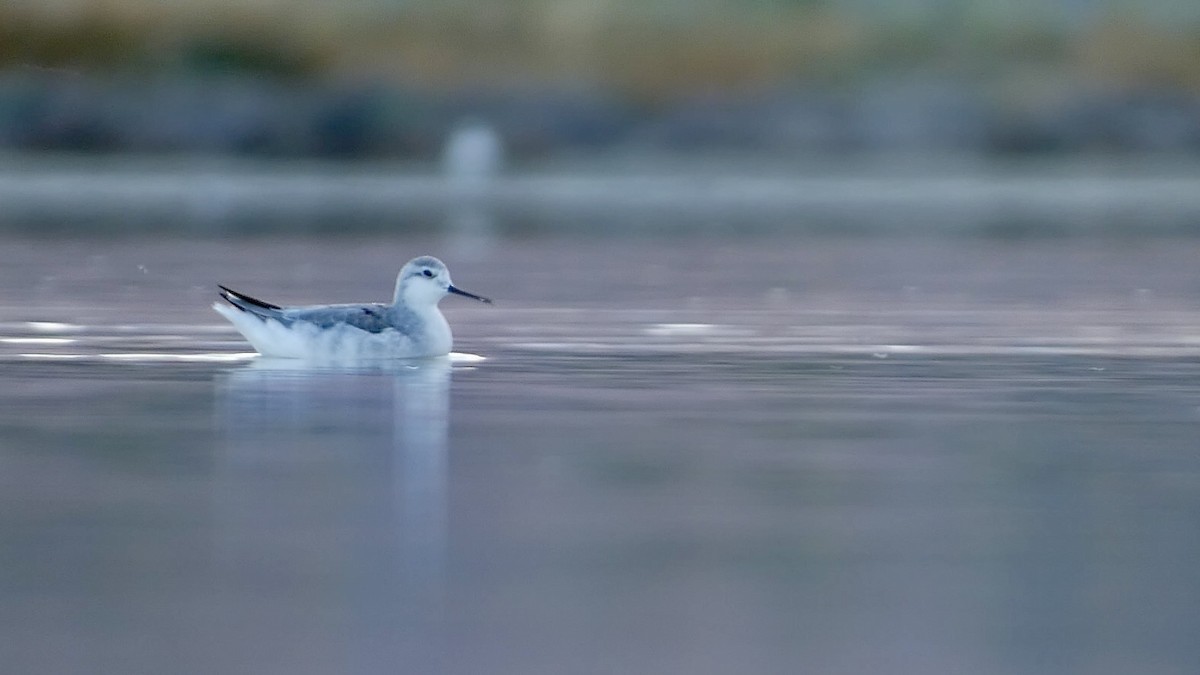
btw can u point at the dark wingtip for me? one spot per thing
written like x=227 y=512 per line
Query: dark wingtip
x=235 y=298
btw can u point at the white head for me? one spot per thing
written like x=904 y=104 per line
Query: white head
x=424 y=281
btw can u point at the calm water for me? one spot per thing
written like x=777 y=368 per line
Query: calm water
x=677 y=455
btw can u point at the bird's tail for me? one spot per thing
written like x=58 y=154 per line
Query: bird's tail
x=252 y=305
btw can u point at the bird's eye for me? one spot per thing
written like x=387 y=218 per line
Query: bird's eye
x=428 y=273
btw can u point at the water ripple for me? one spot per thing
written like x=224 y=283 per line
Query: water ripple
x=880 y=334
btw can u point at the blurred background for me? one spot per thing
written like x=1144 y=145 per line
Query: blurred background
x=371 y=79
x=735 y=87
x=830 y=336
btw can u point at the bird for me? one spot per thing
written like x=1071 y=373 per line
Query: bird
x=411 y=326
x=473 y=154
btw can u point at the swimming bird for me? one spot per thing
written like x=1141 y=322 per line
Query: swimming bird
x=411 y=327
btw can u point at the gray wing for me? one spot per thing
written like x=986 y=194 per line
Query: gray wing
x=369 y=317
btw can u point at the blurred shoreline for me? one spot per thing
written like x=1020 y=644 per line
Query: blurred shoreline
x=1007 y=119
x=248 y=115
x=620 y=195
x=366 y=79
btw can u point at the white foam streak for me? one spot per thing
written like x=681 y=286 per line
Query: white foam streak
x=144 y=357
x=52 y=327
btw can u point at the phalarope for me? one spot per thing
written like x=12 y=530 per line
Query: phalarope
x=411 y=327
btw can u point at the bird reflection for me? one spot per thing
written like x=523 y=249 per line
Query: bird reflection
x=337 y=480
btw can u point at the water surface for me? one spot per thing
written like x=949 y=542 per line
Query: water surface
x=679 y=455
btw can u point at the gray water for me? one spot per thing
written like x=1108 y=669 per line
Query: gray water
x=685 y=454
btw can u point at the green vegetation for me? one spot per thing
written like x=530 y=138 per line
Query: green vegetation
x=647 y=49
